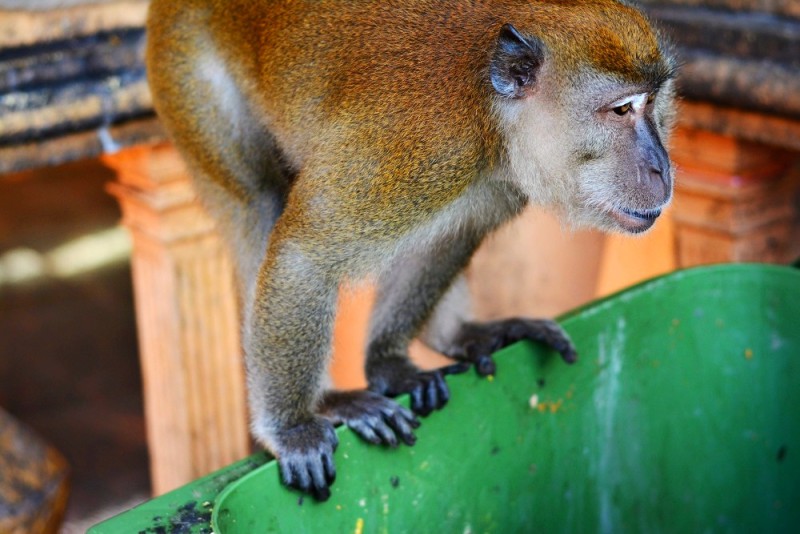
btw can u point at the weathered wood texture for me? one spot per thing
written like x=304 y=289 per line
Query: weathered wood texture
x=741 y=56
x=72 y=84
x=34 y=481
x=735 y=200
x=187 y=320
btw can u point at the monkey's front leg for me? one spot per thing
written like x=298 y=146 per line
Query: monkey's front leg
x=476 y=342
x=287 y=341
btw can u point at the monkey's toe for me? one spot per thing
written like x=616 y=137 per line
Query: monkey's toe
x=395 y=376
x=374 y=417
x=478 y=341
x=428 y=392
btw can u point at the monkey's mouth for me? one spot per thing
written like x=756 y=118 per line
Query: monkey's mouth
x=635 y=221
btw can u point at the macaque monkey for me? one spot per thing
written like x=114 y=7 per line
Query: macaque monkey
x=342 y=140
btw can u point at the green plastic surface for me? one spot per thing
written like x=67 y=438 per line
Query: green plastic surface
x=680 y=416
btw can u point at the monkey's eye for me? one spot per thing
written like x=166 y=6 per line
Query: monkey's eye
x=651 y=97
x=623 y=109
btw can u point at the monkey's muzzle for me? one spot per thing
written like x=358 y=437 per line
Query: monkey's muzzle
x=635 y=221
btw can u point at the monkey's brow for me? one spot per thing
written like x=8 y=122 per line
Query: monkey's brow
x=661 y=73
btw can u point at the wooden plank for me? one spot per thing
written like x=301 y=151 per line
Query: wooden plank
x=734 y=200
x=34 y=481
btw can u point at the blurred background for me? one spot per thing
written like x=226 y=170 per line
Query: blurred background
x=119 y=366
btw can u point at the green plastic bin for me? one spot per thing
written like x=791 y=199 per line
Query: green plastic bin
x=682 y=415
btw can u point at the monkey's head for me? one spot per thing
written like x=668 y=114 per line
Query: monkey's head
x=584 y=92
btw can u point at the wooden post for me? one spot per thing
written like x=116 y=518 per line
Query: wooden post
x=735 y=200
x=188 y=325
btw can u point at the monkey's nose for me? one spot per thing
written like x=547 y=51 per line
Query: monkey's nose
x=656 y=177
x=659 y=182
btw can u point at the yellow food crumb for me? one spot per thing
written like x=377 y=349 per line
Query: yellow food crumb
x=748 y=353
x=554 y=406
x=338 y=506
x=359 y=526
x=490 y=378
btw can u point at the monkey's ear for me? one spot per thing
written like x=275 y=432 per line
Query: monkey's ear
x=515 y=63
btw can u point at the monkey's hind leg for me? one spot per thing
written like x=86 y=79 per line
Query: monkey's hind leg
x=476 y=342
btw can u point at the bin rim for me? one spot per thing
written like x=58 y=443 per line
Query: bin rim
x=630 y=292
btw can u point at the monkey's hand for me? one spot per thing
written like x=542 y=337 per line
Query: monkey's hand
x=395 y=376
x=305 y=456
x=476 y=342
x=372 y=416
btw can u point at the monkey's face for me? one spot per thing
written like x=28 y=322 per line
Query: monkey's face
x=588 y=143
x=595 y=152
x=616 y=155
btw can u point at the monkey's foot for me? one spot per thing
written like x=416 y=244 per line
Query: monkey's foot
x=372 y=416
x=305 y=456
x=394 y=376
x=477 y=341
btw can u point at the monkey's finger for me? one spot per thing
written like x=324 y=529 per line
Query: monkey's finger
x=333 y=439
x=330 y=468
x=485 y=366
x=433 y=392
x=455 y=369
x=567 y=350
x=317 y=477
x=386 y=433
x=569 y=356
x=364 y=430
x=317 y=472
x=397 y=412
x=321 y=494
x=417 y=401
x=297 y=476
x=442 y=389
x=561 y=344
x=403 y=427
x=288 y=473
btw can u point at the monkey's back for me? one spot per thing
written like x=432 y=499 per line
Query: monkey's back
x=399 y=77
x=390 y=100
